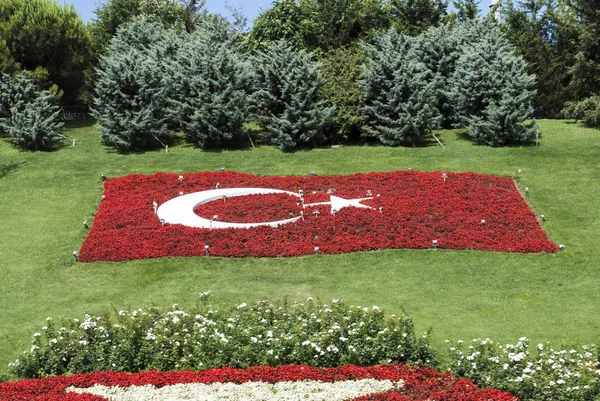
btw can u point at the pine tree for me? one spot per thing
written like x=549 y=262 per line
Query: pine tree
x=439 y=49
x=492 y=90
x=466 y=9
x=398 y=91
x=286 y=101
x=212 y=87
x=131 y=89
x=28 y=114
x=412 y=17
x=586 y=71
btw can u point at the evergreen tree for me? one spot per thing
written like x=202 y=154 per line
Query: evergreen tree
x=413 y=17
x=342 y=69
x=286 y=101
x=42 y=33
x=28 y=114
x=439 y=49
x=212 y=86
x=586 y=71
x=492 y=90
x=131 y=91
x=466 y=9
x=533 y=28
x=398 y=91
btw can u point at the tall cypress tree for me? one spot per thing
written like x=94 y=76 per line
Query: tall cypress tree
x=398 y=91
x=211 y=89
x=28 y=114
x=287 y=102
x=131 y=91
x=492 y=89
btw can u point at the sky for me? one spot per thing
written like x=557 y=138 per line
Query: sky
x=250 y=8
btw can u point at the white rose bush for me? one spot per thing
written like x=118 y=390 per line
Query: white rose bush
x=541 y=374
x=310 y=333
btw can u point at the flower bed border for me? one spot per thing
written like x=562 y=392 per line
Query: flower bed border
x=420 y=383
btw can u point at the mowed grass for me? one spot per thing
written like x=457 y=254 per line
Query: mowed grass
x=45 y=197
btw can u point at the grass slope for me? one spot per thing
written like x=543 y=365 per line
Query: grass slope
x=45 y=197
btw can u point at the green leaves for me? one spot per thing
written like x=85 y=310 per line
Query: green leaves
x=40 y=33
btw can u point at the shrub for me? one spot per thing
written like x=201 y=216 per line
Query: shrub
x=587 y=111
x=131 y=92
x=342 y=69
x=541 y=375
x=311 y=333
x=211 y=89
x=286 y=101
x=398 y=92
x=28 y=114
x=491 y=89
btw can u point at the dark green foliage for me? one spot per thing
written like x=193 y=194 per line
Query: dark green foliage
x=439 y=49
x=586 y=71
x=413 y=17
x=204 y=337
x=287 y=103
x=587 y=111
x=535 y=29
x=321 y=25
x=282 y=21
x=211 y=90
x=398 y=92
x=342 y=69
x=131 y=95
x=41 y=33
x=28 y=114
x=492 y=90
x=466 y=9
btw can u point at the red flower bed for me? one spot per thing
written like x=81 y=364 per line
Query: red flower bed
x=419 y=383
x=409 y=210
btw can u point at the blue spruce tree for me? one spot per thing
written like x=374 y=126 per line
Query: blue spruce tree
x=212 y=85
x=287 y=102
x=491 y=88
x=132 y=87
x=399 y=92
x=28 y=114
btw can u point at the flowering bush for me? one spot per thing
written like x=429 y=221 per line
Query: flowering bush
x=408 y=210
x=311 y=333
x=403 y=383
x=543 y=375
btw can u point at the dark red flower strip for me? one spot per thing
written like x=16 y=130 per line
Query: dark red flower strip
x=409 y=210
x=420 y=383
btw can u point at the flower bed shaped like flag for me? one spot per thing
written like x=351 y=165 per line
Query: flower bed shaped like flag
x=397 y=382
x=233 y=214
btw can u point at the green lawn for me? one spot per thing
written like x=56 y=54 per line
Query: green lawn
x=45 y=197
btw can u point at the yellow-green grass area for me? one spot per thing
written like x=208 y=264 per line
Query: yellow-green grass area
x=45 y=197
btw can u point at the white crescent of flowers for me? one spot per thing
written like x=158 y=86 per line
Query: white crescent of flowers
x=250 y=391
